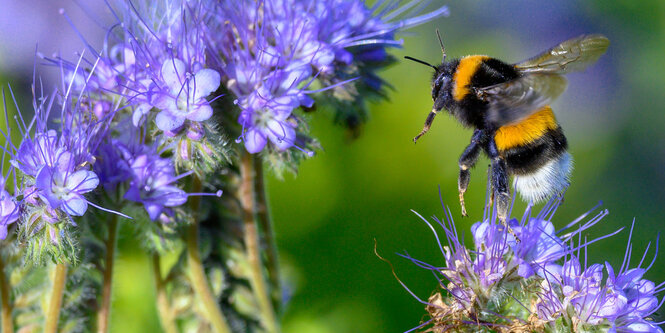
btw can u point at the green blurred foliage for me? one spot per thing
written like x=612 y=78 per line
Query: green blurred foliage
x=357 y=191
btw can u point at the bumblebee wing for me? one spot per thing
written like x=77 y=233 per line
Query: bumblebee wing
x=514 y=100
x=570 y=56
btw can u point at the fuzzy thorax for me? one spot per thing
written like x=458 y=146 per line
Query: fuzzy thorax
x=551 y=178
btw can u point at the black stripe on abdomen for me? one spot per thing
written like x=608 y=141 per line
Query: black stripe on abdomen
x=528 y=158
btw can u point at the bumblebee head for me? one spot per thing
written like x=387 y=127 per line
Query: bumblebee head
x=441 y=86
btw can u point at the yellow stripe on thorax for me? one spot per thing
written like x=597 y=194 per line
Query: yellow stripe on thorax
x=465 y=70
x=526 y=131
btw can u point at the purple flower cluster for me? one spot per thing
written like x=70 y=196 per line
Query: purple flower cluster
x=539 y=274
x=271 y=53
x=138 y=115
x=52 y=167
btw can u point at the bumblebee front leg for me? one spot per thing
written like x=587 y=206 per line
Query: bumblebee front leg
x=428 y=124
x=500 y=185
x=466 y=161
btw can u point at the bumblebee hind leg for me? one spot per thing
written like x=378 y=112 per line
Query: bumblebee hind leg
x=466 y=161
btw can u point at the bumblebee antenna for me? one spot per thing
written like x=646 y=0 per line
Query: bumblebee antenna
x=443 y=49
x=421 y=62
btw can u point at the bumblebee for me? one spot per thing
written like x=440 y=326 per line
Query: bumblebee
x=508 y=107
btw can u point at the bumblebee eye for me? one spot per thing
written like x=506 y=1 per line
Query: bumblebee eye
x=439 y=83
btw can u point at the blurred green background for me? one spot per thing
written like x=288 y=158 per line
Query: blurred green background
x=356 y=191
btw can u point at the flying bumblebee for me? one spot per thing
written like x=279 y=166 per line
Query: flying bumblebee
x=508 y=106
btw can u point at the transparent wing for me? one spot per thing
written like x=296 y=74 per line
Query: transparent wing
x=570 y=56
x=514 y=100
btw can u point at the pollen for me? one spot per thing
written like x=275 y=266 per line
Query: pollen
x=527 y=130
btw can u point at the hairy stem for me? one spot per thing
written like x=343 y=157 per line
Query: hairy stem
x=197 y=273
x=257 y=281
x=53 y=314
x=263 y=216
x=104 y=311
x=7 y=323
x=163 y=305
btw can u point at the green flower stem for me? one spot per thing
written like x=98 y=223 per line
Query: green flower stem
x=163 y=306
x=197 y=273
x=6 y=316
x=54 y=305
x=263 y=216
x=104 y=311
x=252 y=243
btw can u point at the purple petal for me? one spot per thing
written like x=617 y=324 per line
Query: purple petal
x=75 y=205
x=153 y=210
x=82 y=181
x=133 y=194
x=139 y=112
x=44 y=182
x=170 y=196
x=173 y=70
x=167 y=122
x=205 y=81
x=200 y=113
x=281 y=134
x=65 y=162
x=254 y=141
x=642 y=326
x=3 y=231
x=644 y=305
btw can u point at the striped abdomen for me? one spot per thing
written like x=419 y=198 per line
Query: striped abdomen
x=535 y=153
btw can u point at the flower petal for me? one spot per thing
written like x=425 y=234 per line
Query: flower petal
x=75 y=205
x=168 y=122
x=254 y=141
x=82 y=181
x=205 y=82
x=154 y=210
x=281 y=134
x=200 y=112
x=173 y=73
x=139 y=112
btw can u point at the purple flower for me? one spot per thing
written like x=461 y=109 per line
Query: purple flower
x=63 y=187
x=112 y=165
x=272 y=123
x=153 y=185
x=184 y=95
x=33 y=154
x=539 y=247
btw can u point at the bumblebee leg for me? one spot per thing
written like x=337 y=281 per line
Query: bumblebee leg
x=466 y=161
x=428 y=123
x=500 y=184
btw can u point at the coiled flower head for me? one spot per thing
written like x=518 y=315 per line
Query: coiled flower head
x=537 y=283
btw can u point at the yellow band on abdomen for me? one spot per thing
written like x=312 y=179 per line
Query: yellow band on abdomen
x=527 y=130
x=465 y=70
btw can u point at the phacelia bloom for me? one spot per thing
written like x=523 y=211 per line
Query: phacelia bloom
x=54 y=166
x=536 y=284
x=63 y=187
x=184 y=95
x=153 y=184
x=271 y=52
